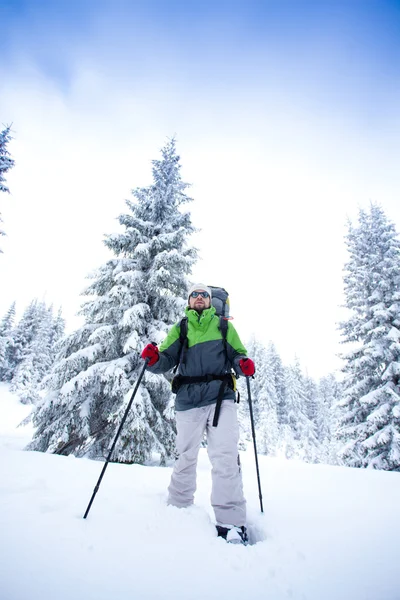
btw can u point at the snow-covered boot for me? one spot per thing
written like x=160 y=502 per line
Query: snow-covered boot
x=233 y=535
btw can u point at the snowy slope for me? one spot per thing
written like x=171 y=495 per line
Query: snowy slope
x=328 y=533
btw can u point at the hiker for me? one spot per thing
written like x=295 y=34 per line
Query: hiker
x=205 y=402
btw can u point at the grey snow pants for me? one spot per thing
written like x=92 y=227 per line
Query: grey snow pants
x=222 y=445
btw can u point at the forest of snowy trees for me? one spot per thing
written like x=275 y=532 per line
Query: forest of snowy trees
x=79 y=384
x=28 y=348
x=294 y=415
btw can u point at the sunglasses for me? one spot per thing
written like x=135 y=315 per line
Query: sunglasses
x=203 y=294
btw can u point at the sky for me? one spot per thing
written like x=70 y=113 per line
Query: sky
x=287 y=121
x=326 y=532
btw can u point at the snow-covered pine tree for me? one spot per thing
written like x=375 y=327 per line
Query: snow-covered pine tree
x=370 y=408
x=267 y=426
x=7 y=322
x=275 y=362
x=6 y=340
x=39 y=337
x=57 y=331
x=135 y=298
x=6 y=163
x=311 y=391
x=22 y=336
x=303 y=442
x=25 y=381
x=264 y=400
x=325 y=402
x=327 y=418
x=267 y=422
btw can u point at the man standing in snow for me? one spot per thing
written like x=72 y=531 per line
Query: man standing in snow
x=205 y=402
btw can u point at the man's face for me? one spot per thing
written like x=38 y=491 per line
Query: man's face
x=199 y=303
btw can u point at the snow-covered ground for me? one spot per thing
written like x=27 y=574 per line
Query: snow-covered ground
x=327 y=533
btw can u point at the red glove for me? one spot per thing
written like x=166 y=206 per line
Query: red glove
x=151 y=352
x=247 y=366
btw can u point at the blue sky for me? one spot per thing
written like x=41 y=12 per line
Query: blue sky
x=287 y=117
x=355 y=38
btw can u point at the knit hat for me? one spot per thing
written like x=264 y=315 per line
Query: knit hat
x=199 y=287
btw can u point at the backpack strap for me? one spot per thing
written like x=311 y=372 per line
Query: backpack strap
x=218 y=404
x=183 y=330
x=223 y=327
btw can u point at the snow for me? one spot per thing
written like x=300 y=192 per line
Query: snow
x=327 y=533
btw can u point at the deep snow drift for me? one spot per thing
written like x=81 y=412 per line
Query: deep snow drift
x=327 y=533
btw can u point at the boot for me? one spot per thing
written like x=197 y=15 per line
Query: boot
x=233 y=535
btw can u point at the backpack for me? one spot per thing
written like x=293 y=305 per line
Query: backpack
x=220 y=300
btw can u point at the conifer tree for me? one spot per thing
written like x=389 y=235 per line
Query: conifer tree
x=23 y=335
x=304 y=443
x=267 y=423
x=278 y=372
x=264 y=400
x=327 y=418
x=134 y=299
x=7 y=322
x=6 y=163
x=370 y=408
x=312 y=401
x=57 y=329
x=6 y=340
x=35 y=337
x=25 y=380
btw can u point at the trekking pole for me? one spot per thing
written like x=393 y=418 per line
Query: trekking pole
x=96 y=489
x=254 y=441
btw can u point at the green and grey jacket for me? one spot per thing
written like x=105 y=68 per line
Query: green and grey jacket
x=204 y=355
